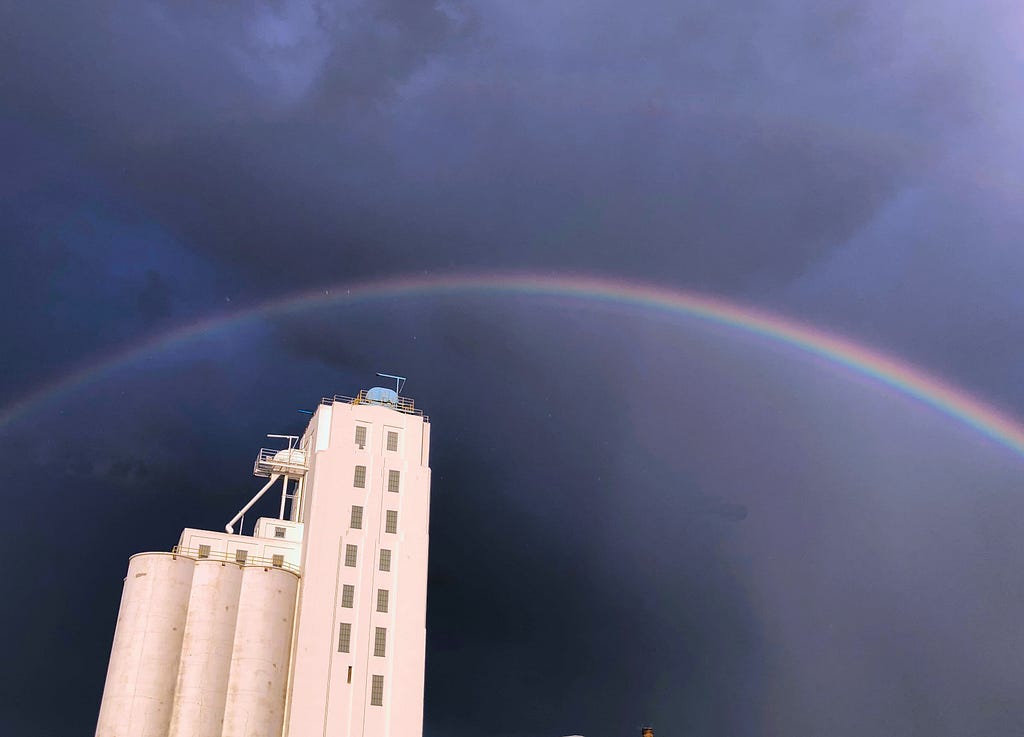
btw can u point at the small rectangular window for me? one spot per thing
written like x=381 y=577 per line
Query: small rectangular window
x=361 y=436
x=392 y=441
x=348 y=595
x=277 y=560
x=382 y=600
x=380 y=639
x=359 y=480
x=344 y=637
x=391 y=521
x=351 y=551
x=377 y=691
x=357 y=518
x=204 y=551
x=385 y=560
x=349 y=674
x=394 y=477
x=241 y=555
x=279 y=532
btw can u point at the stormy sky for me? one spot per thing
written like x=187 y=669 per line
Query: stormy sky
x=637 y=517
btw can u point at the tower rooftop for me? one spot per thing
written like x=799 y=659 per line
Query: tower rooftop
x=379 y=396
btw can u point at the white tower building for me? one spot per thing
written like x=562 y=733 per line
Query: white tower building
x=313 y=626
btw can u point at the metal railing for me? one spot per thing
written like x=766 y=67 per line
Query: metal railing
x=225 y=557
x=405 y=405
x=276 y=460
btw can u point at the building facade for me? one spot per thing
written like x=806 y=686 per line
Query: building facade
x=314 y=625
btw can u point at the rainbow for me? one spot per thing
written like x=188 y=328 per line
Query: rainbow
x=885 y=370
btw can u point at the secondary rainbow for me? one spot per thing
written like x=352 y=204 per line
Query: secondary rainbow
x=885 y=370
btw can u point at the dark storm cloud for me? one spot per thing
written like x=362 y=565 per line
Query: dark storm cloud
x=668 y=139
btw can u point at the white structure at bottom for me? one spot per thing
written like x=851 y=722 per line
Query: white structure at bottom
x=316 y=624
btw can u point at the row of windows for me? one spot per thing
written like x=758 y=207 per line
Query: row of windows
x=348 y=593
x=392 y=438
x=380 y=639
x=394 y=479
x=277 y=560
x=390 y=519
x=352 y=558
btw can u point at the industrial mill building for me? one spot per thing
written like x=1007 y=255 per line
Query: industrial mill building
x=316 y=623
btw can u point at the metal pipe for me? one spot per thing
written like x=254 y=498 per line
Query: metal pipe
x=296 y=510
x=230 y=526
x=284 y=495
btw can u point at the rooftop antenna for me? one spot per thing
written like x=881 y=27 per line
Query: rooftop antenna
x=399 y=381
x=292 y=439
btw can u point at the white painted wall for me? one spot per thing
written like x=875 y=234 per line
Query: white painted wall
x=263 y=545
x=323 y=700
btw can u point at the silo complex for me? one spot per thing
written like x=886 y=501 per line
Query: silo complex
x=259 y=663
x=206 y=649
x=139 y=692
x=315 y=623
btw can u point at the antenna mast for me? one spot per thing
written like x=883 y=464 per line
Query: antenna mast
x=399 y=381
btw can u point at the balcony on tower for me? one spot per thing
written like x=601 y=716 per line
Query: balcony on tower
x=287 y=465
x=274 y=461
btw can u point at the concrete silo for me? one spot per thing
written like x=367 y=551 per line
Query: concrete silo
x=139 y=691
x=206 y=649
x=258 y=682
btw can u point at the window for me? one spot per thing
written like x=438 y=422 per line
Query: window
x=344 y=637
x=241 y=555
x=350 y=555
x=380 y=639
x=349 y=674
x=392 y=441
x=377 y=691
x=277 y=560
x=391 y=521
x=279 y=532
x=385 y=560
x=393 y=478
x=359 y=480
x=348 y=595
x=382 y=600
x=361 y=436
x=357 y=518
x=204 y=551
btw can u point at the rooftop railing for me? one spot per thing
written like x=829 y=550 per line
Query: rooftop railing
x=274 y=460
x=233 y=557
x=405 y=405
